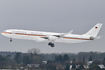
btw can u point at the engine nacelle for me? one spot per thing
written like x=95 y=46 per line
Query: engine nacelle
x=39 y=39
x=52 y=38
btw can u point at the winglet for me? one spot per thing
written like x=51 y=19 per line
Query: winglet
x=63 y=34
x=70 y=32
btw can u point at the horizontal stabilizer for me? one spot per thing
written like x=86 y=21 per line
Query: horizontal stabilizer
x=98 y=37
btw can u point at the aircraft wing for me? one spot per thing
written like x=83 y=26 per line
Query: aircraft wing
x=63 y=34
x=54 y=37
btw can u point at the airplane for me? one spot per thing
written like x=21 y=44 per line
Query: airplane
x=51 y=37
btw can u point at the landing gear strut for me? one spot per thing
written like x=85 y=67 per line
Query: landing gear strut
x=51 y=44
x=10 y=39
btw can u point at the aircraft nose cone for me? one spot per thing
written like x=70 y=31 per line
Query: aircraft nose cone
x=2 y=33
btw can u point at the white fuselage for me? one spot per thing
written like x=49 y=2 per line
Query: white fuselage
x=40 y=36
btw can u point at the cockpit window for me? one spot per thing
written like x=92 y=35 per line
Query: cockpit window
x=5 y=31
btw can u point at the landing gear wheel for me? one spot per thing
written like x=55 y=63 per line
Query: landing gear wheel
x=51 y=44
x=10 y=39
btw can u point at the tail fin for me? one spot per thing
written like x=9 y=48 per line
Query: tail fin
x=94 y=31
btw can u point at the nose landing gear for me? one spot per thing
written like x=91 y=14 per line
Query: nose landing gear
x=51 y=44
x=10 y=39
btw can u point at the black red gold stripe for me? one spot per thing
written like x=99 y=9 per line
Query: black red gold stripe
x=6 y=32
x=45 y=36
x=30 y=34
x=76 y=38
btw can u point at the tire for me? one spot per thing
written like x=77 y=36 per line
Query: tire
x=51 y=44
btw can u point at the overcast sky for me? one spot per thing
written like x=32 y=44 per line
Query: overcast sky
x=52 y=16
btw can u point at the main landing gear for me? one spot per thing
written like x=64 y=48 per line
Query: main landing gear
x=51 y=44
x=10 y=39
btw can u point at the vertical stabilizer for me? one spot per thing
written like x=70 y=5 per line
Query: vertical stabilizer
x=94 y=31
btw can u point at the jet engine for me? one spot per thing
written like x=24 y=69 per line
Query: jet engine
x=52 y=38
x=39 y=39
